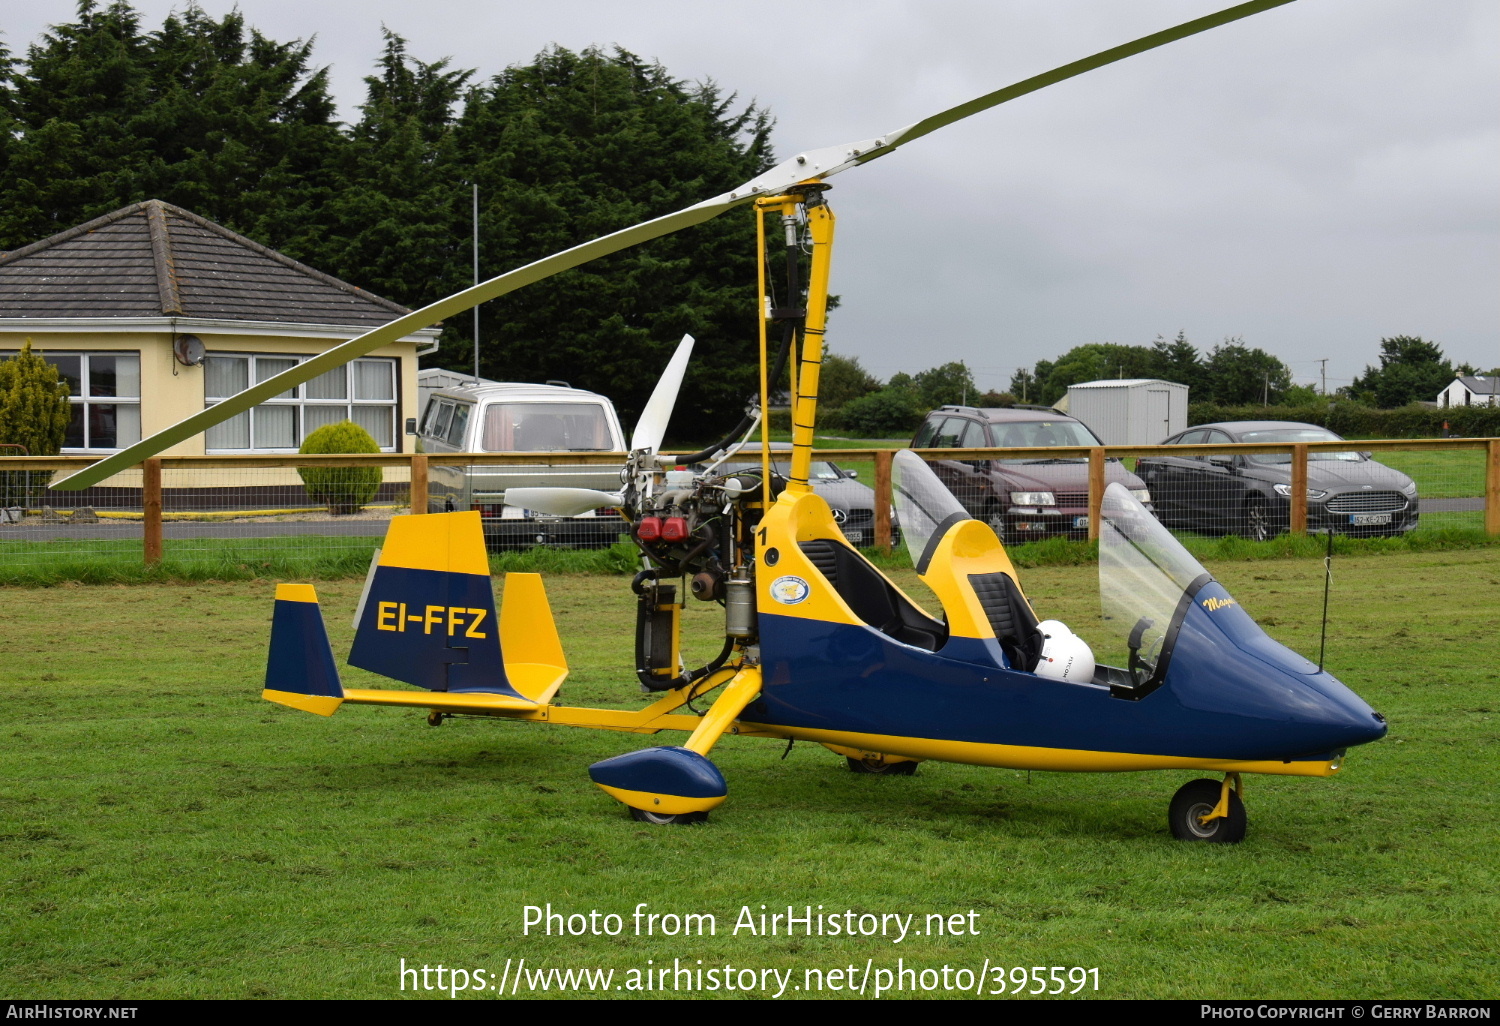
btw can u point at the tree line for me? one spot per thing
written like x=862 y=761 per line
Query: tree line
x=214 y=116
x=1230 y=375
x=210 y=114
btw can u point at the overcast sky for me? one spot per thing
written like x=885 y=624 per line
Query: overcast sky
x=1310 y=179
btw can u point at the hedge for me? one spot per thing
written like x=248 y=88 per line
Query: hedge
x=1355 y=420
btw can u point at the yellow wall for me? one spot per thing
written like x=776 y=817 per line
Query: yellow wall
x=171 y=392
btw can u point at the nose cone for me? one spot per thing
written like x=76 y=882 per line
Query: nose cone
x=1343 y=717
x=1263 y=700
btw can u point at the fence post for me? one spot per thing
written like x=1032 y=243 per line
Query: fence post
x=151 y=508
x=883 y=500
x=1299 y=489
x=1492 y=488
x=419 y=482
x=1096 y=490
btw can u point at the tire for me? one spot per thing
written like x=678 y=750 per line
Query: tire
x=882 y=769
x=668 y=819
x=996 y=519
x=1256 y=521
x=1197 y=798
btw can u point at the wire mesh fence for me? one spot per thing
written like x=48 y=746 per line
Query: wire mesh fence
x=325 y=515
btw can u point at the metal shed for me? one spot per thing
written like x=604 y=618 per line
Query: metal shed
x=1130 y=411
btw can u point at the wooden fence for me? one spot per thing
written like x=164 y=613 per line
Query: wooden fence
x=419 y=464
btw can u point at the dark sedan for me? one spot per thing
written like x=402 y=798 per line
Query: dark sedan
x=852 y=503
x=1250 y=494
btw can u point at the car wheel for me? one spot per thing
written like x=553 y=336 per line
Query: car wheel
x=996 y=519
x=1256 y=521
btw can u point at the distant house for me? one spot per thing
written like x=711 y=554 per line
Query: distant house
x=152 y=313
x=1471 y=390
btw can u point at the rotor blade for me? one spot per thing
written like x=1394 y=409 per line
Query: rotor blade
x=1115 y=53
x=810 y=164
x=652 y=426
x=394 y=330
x=561 y=502
x=831 y=160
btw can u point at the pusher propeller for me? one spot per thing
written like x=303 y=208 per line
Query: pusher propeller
x=807 y=165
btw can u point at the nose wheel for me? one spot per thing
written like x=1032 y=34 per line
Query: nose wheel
x=1208 y=810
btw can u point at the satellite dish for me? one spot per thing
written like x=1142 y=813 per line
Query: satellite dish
x=188 y=349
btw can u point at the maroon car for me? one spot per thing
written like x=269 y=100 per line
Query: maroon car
x=1022 y=499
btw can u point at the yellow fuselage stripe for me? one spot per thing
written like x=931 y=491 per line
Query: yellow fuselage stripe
x=1025 y=757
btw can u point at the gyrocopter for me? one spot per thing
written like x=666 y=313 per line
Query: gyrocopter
x=818 y=644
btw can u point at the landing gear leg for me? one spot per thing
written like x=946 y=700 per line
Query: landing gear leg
x=1208 y=810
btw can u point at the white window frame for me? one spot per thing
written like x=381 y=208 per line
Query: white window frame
x=298 y=399
x=83 y=399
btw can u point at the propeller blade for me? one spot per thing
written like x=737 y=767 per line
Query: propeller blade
x=652 y=427
x=561 y=502
x=809 y=164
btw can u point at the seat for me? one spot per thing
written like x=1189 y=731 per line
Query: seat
x=871 y=597
x=1010 y=615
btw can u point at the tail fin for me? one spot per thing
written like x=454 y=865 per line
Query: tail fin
x=429 y=617
x=300 y=671
x=534 y=659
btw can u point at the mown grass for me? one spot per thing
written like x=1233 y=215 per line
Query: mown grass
x=46 y=564
x=1439 y=473
x=164 y=833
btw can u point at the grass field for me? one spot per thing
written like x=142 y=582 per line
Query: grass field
x=165 y=833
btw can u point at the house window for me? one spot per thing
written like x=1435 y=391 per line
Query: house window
x=363 y=391
x=104 y=391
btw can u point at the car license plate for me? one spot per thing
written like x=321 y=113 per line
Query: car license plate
x=1368 y=519
x=1080 y=523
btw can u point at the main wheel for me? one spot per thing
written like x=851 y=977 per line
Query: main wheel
x=1197 y=798
x=1257 y=521
x=668 y=819
x=882 y=769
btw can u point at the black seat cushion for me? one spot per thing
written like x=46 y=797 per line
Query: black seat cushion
x=1010 y=616
x=871 y=597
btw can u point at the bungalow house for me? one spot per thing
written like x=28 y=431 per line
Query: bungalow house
x=1471 y=390
x=151 y=313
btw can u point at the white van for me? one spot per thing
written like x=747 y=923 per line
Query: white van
x=511 y=417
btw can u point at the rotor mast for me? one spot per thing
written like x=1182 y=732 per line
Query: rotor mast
x=803 y=201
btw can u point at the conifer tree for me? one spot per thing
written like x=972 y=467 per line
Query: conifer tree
x=576 y=145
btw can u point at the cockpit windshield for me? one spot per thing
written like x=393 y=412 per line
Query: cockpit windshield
x=923 y=502
x=1144 y=575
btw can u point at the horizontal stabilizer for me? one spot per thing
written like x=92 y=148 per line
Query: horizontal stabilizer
x=300 y=670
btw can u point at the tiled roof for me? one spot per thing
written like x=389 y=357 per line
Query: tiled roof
x=153 y=259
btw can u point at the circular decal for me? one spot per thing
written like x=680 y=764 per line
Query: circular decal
x=789 y=590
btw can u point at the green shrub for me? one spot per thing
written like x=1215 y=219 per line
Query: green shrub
x=33 y=413
x=893 y=412
x=344 y=489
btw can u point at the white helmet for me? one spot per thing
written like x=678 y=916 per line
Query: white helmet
x=1065 y=656
x=1053 y=629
